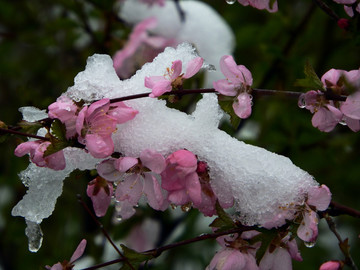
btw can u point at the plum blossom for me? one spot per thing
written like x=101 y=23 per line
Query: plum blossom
x=318 y=198
x=236 y=253
x=36 y=149
x=180 y=178
x=96 y=123
x=100 y=191
x=328 y=113
x=66 y=111
x=173 y=78
x=68 y=265
x=140 y=48
x=237 y=84
x=139 y=177
x=349 y=6
x=271 y=6
x=331 y=265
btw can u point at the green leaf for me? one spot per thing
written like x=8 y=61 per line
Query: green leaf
x=226 y=105
x=58 y=130
x=30 y=127
x=223 y=221
x=134 y=258
x=311 y=80
x=55 y=146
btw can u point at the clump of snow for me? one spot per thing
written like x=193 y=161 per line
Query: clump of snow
x=32 y=114
x=260 y=181
x=203 y=27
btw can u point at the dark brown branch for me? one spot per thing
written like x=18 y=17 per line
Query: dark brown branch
x=327 y=9
x=11 y=131
x=104 y=231
x=337 y=209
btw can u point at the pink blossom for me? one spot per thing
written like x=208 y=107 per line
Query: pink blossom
x=260 y=4
x=96 y=123
x=351 y=106
x=65 y=110
x=100 y=191
x=331 y=265
x=319 y=198
x=232 y=259
x=139 y=178
x=237 y=84
x=36 y=149
x=140 y=48
x=68 y=265
x=180 y=178
x=173 y=78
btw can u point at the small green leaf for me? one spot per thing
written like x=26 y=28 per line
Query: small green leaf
x=311 y=80
x=226 y=105
x=134 y=258
x=223 y=221
x=55 y=146
x=58 y=130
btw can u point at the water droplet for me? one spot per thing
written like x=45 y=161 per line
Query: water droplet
x=34 y=234
x=118 y=217
x=230 y=2
x=301 y=102
x=309 y=244
x=250 y=97
x=342 y=122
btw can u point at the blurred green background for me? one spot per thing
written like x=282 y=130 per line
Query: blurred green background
x=44 y=44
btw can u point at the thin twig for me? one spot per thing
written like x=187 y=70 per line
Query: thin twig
x=344 y=247
x=5 y=130
x=104 y=231
x=327 y=9
x=339 y=209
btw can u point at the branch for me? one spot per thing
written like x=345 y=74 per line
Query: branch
x=104 y=232
x=343 y=244
x=11 y=131
x=337 y=209
x=327 y=9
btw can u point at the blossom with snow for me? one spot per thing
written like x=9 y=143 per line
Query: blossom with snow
x=68 y=265
x=135 y=177
x=173 y=77
x=180 y=178
x=96 y=123
x=141 y=48
x=66 y=111
x=271 y=6
x=36 y=149
x=237 y=84
x=318 y=198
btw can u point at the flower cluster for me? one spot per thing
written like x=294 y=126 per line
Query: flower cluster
x=328 y=113
x=91 y=125
x=238 y=251
x=237 y=84
x=179 y=180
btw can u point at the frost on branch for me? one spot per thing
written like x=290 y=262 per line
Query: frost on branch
x=259 y=181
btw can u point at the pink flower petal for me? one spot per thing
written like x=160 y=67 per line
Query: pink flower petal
x=80 y=120
x=125 y=163
x=176 y=69
x=326 y=118
x=154 y=193
x=160 y=88
x=242 y=106
x=151 y=81
x=79 y=251
x=331 y=265
x=225 y=87
x=153 y=160
x=106 y=169
x=193 y=67
x=353 y=124
x=351 y=107
x=99 y=147
x=99 y=107
x=320 y=197
x=121 y=112
x=230 y=69
x=308 y=230
x=193 y=188
x=130 y=189
x=100 y=197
